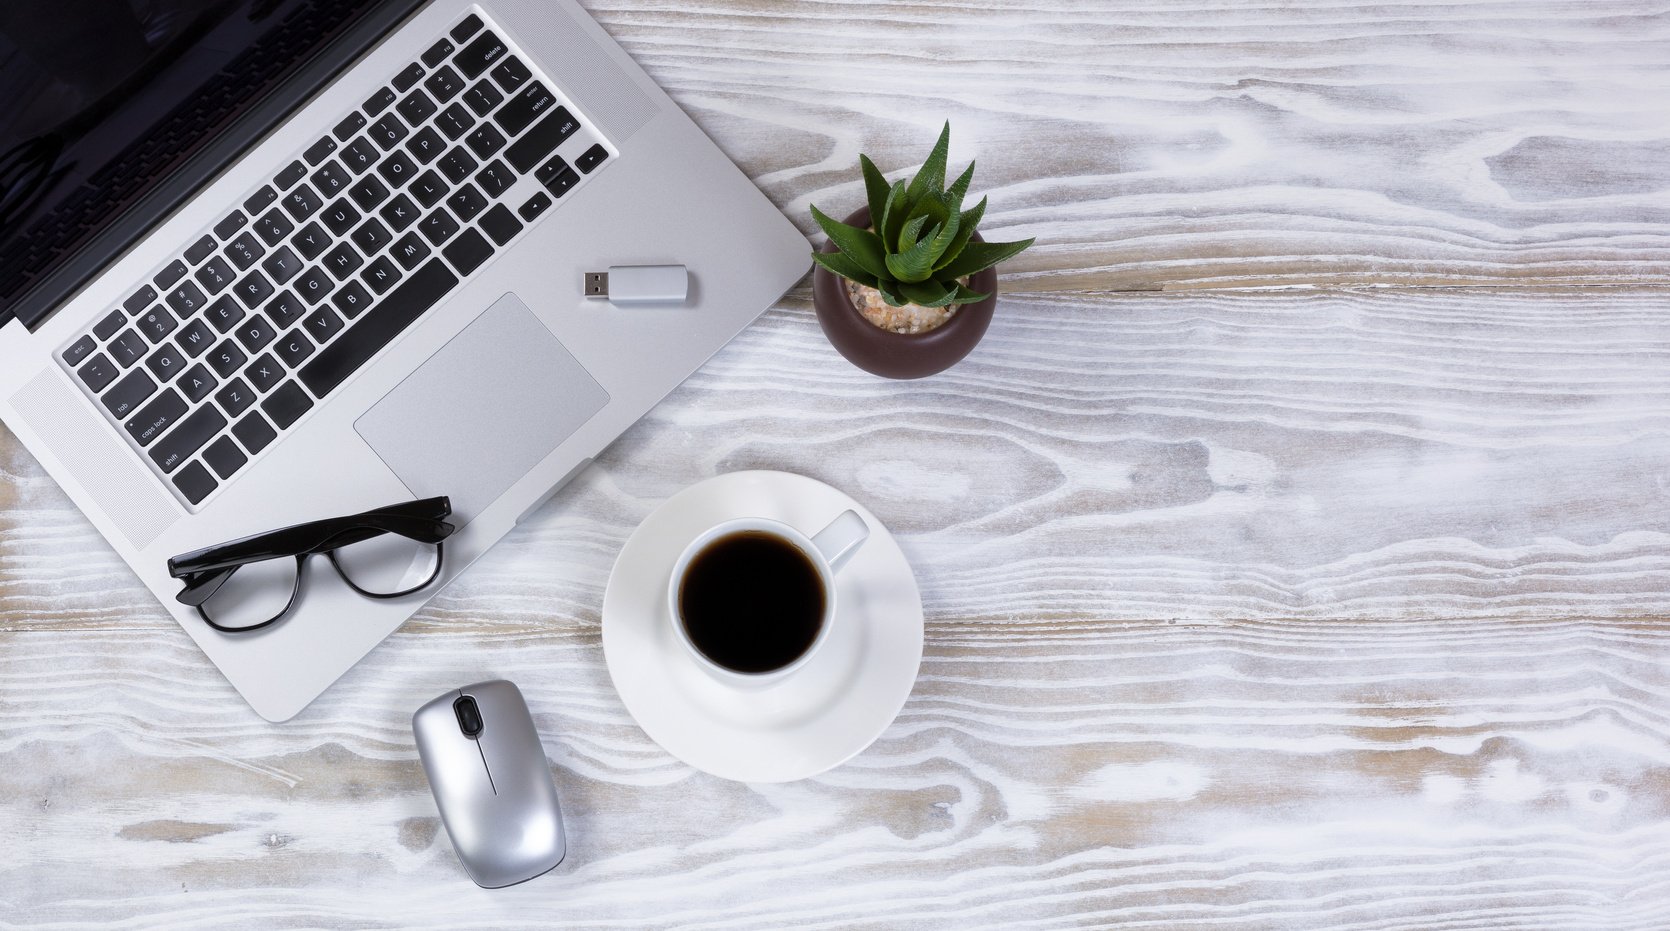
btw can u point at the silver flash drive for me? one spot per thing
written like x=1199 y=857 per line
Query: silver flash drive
x=639 y=285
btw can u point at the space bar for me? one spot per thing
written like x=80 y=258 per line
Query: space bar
x=383 y=322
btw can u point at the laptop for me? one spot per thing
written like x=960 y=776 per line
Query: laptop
x=269 y=261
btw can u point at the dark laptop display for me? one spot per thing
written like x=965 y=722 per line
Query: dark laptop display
x=112 y=111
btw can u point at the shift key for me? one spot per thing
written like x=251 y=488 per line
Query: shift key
x=546 y=135
x=187 y=438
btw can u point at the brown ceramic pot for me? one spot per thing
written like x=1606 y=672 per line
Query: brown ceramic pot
x=898 y=355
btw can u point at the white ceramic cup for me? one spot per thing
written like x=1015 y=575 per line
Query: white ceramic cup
x=827 y=550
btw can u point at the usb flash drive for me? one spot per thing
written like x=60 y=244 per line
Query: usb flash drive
x=639 y=285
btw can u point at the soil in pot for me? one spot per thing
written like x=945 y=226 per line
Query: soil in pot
x=911 y=318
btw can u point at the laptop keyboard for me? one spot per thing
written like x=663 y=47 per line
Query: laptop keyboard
x=266 y=314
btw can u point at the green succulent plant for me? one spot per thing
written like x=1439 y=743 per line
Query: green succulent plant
x=919 y=243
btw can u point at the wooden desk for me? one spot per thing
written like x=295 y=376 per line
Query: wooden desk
x=1294 y=549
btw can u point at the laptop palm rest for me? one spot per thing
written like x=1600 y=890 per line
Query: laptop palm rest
x=481 y=412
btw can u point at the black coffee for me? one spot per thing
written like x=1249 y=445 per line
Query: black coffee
x=751 y=602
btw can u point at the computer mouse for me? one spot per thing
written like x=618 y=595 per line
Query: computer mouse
x=492 y=783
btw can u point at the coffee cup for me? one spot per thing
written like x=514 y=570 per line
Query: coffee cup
x=753 y=599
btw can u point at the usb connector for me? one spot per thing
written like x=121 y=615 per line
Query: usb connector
x=639 y=285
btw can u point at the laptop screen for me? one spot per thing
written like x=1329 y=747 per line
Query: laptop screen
x=102 y=101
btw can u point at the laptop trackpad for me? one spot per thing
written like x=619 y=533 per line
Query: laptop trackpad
x=481 y=412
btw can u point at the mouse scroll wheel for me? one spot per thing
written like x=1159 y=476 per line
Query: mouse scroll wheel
x=469 y=716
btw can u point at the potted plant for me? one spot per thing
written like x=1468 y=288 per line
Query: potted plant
x=910 y=294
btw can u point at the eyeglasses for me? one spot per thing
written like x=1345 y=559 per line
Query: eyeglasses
x=248 y=584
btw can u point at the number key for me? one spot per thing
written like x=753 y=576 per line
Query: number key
x=186 y=299
x=273 y=227
x=388 y=131
x=156 y=324
x=302 y=202
x=332 y=179
x=127 y=348
x=215 y=275
x=244 y=250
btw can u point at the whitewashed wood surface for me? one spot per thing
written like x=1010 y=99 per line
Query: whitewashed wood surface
x=1301 y=608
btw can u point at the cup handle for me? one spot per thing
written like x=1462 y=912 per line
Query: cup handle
x=842 y=538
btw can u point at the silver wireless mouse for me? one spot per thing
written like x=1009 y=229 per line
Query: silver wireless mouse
x=492 y=783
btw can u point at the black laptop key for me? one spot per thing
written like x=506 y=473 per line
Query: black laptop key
x=482 y=97
x=255 y=333
x=265 y=372
x=388 y=131
x=155 y=418
x=485 y=141
x=352 y=123
x=109 y=326
x=438 y=53
x=284 y=309
x=429 y=188
x=314 y=285
x=287 y=178
x=195 y=483
x=235 y=398
x=224 y=314
x=324 y=323
x=372 y=236
x=224 y=457
x=342 y=261
x=468 y=251
x=311 y=241
x=165 y=279
x=399 y=213
x=156 y=323
x=340 y=217
x=294 y=348
x=200 y=250
x=319 y=151
x=380 y=101
x=196 y=383
x=416 y=107
x=83 y=348
x=404 y=80
x=187 y=438
x=360 y=155
x=457 y=164
x=129 y=393
x=260 y=200
x=143 y=298
x=254 y=432
x=438 y=227
x=273 y=227
x=253 y=289
x=287 y=405
x=187 y=299
x=529 y=105
x=383 y=322
x=302 y=202
x=282 y=265
x=332 y=179
x=479 y=54
x=426 y=145
x=500 y=224
x=466 y=202
x=444 y=84
x=352 y=299
x=558 y=177
x=166 y=363
x=534 y=206
x=539 y=142
x=470 y=25
x=195 y=338
x=591 y=158
x=397 y=169
x=455 y=121
x=245 y=250
x=495 y=179
x=127 y=349
x=215 y=275
x=410 y=251
x=226 y=358
x=98 y=373
x=225 y=229
x=381 y=274
x=369 y=192
x=511 y=73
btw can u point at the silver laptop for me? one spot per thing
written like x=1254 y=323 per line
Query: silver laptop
x=268 y=261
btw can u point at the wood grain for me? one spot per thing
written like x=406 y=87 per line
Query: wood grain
x=1215 y=144
x=1267 y=610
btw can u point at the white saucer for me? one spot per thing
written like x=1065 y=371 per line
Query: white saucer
x=818 y=718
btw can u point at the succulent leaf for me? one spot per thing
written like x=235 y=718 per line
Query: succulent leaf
x=843 y=265
x=927 y=293
x=978 y=256
x=875 y=189
x=890 y=292
x=959 y=188
x=964 y=296
x=893 y=216
x=909 y=235
x=932 y=175
x=863 y=246
x=915 y=264
x=966 y=222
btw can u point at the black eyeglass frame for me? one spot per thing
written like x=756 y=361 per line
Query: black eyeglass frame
x=204 y=571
